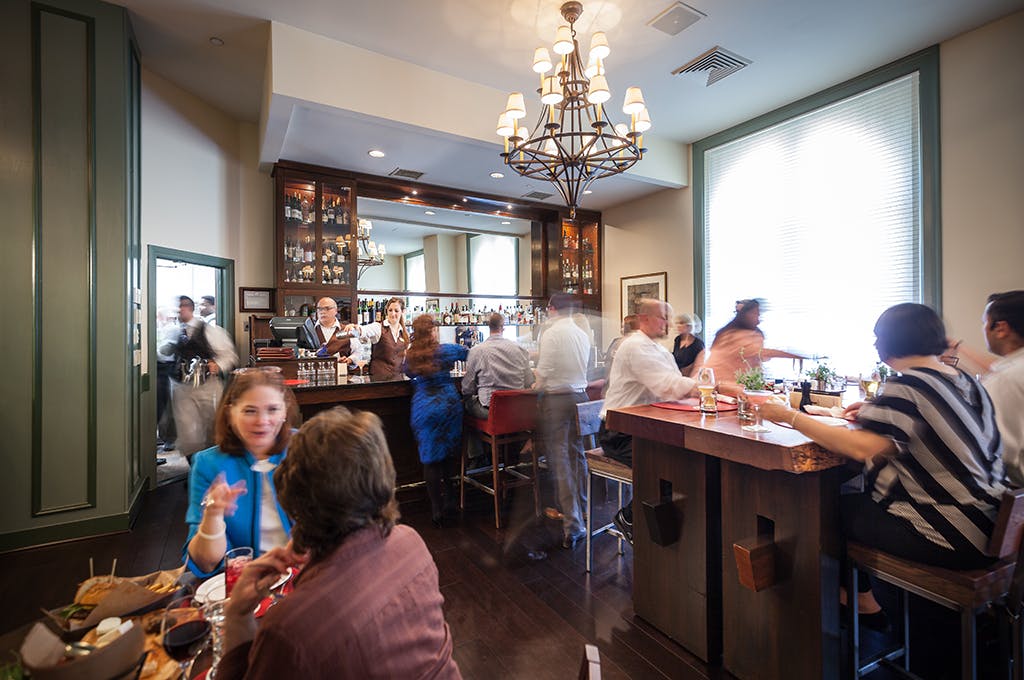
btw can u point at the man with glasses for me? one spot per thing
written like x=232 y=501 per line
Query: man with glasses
x=644 y=371
x=327 y=330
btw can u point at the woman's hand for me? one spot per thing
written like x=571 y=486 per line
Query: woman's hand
x=776 y=412
x=221 y=498
x=256 y=579
x=851 y=411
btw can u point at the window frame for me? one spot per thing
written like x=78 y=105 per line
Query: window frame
x=926 y=64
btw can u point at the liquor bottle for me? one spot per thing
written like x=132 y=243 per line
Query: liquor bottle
x=329 y=214
x=446 y=318
x=378 y=311
x=304 y=208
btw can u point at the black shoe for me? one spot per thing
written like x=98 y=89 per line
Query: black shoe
x=570 y=541
x=622 y=525
x=877 y=621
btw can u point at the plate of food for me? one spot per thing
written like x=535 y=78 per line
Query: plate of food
x=101 y=597
x=213 y=589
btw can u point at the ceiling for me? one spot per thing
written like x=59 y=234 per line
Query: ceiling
x=797 y=47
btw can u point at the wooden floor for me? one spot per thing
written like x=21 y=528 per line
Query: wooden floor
x=519 y=606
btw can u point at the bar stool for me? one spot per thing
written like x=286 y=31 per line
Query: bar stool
x=588 y=417
x=511 y=419
x=968 y=592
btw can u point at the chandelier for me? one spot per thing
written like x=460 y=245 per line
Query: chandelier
x=574 y=142
x=368 y=253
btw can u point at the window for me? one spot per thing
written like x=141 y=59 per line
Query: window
x=493 y=269
x=416 y=278
x=826 y=210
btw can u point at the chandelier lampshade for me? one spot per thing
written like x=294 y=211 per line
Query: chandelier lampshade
x=574 y=141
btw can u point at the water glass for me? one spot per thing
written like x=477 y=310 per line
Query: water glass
x=235 y=561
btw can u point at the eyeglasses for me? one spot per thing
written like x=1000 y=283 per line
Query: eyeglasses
x=325 y=309
x=257 y=369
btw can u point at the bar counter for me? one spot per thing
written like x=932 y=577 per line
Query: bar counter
x=773 y=496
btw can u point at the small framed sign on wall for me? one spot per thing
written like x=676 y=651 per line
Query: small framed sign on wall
x=255 y=299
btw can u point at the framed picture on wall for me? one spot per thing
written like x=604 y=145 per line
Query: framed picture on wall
x=256 y=299
x=636 y=288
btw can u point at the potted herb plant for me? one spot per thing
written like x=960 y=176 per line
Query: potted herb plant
x=824 y=378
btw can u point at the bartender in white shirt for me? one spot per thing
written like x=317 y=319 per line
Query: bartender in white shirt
x=328 y=330
x=389 y=339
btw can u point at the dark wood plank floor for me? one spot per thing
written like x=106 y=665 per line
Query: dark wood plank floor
x=518 y=605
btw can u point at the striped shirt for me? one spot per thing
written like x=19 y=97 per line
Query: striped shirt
x=946 y=478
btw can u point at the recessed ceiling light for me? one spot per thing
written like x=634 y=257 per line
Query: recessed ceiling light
x=414 y=192
x=587 y=192
x=505 y=222
x=497 y=175
x=375 y=153
x=216 y=42
x=429 y=212
x=508 y=207
x=465 y=200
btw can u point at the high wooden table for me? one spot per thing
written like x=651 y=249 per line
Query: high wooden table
x=776 y=492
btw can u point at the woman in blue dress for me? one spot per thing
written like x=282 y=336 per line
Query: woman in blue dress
x=232 y=500
x=436 y=406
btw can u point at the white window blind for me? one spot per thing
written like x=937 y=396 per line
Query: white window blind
x=416 y=279
x=819 y=215
x=493 y=269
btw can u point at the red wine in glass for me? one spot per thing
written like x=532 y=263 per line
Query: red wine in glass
x=185 y=640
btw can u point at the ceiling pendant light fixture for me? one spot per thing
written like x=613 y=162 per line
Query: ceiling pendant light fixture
x=574 y=142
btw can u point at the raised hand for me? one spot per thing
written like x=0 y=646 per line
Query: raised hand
x=221 y=498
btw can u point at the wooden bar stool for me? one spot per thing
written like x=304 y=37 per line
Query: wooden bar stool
x=969 y=592
x=588 y=416
x=511 y=420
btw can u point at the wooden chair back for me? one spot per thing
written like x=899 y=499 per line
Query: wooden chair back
x=588 y=419
x=1006 y=537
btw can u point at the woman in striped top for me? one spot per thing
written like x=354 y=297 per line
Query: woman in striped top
x=931 y=449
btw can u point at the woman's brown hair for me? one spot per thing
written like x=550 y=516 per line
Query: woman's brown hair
x=421 y=357
x=401 y=321
x=225 y=437
x=337 y=478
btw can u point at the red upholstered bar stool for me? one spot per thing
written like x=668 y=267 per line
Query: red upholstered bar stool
x=588 y=417
x=511 y=421
x=968 y=592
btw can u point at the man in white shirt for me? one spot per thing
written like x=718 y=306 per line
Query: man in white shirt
x=562 y=383
x=208 y=309
x=495 y=364
x=643 y=372
x=1004 y=335
x=327 y=329
x=203 y=354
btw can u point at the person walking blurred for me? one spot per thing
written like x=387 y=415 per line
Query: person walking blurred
x=562 y=383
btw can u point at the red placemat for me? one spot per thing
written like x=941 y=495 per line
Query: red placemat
x=692 y=404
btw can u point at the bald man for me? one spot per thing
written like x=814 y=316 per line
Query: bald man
x=327 y=329
x=644 y=371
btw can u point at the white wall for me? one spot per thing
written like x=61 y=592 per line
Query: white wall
x=982 y=119
x=982 y=147
x=201 y=189
x=388 y=276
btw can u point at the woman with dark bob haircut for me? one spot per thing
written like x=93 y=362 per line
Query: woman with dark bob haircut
x=931 y=452
x=366 y=603
x=232 y=502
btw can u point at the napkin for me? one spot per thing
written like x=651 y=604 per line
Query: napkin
x=833 y=411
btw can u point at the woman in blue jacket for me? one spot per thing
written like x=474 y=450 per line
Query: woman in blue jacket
x=232 y=502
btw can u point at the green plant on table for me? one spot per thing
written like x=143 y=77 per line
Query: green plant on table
x=883 y=371
x=824 y=374
x=752 y=377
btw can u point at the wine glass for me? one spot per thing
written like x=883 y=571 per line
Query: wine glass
x=363 y=358
x=184 y=631
x=756 y=398
x=706 y=386
x=235 y=561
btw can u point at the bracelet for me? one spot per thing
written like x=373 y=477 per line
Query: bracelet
x=211 y=537
x=792 y=421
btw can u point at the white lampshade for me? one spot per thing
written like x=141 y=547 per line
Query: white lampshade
x=516 y=106
x=643 y=121
x=541 y=60
x=621 y=129
x=552 y=92
x=505 y=126
x=634 y=101
x=599 y=46
x=563 y=41
x=598 y=93
x=523 y=134
x=550 y=147
x=593 y=67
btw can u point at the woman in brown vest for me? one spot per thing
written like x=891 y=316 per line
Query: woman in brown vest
x=389 y=339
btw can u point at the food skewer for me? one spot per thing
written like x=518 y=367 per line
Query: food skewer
x=113 y=568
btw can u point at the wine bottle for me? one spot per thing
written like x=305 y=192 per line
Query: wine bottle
x=805 y=395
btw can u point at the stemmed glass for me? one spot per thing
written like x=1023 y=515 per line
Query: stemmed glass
x=363 y=358
x=756 y=398
x=184 y=631
x=706 y=386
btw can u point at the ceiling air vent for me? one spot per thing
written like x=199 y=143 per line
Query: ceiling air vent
x=675 y=18
x=718 y=62
x=537 y=195
x=405 y=174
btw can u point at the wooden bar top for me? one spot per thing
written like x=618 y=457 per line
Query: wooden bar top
x=781 y=448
